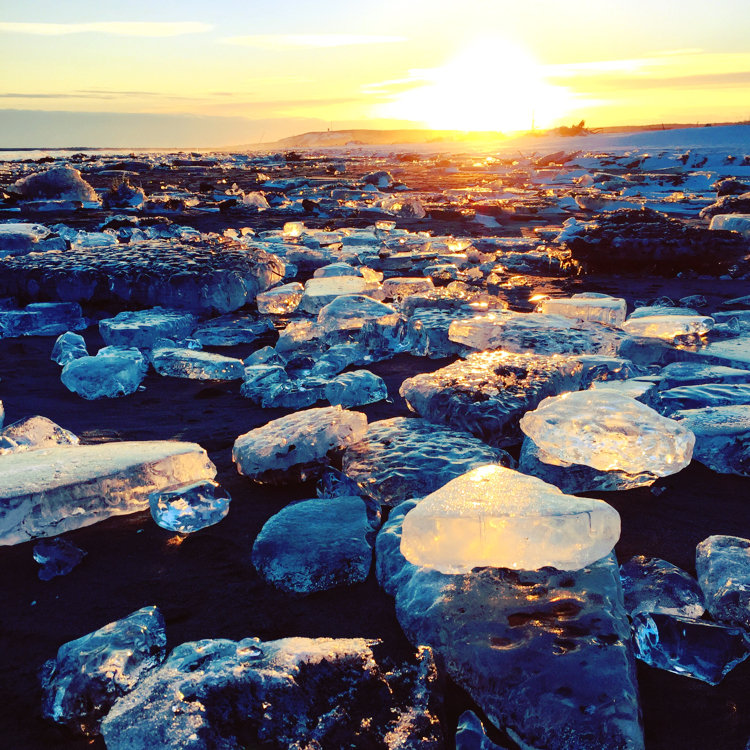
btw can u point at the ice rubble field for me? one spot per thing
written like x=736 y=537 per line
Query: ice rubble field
x=291 y=281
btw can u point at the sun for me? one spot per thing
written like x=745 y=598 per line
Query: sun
x=493 y=84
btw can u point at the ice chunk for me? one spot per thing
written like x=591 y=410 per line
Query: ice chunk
x=315 y=545
x=402 y=286
x=300 y=336
x=57 y=557
x=653 y=585
x=280 y=300
x=124 y=195
x=58 y=183
x=351 y=312
x=356 y=389
x=488 y=392
x=546 y=654
x=689 y=646
x=230 y=330
x=380 y=179
x=704 y=395
x=42 y=319
x=68 y=346
x=722 y=437
x=499 y=517
x=256 y=200
x=733 y=223
x=48 y=491
x=585 y=307
x=108 y=375
x=297 y=440
x=694 y=373
x=319 y=292
x=290 y=693
x=31 y=433
x=338 y=358
x=21 y=238
x=189 y=507
x=258 y=379
x=427 y=332
x=668 y=327
x=196 y=365
x=534 y=333
x=407 y=207
x=89 y=674
x=723 y=567
x=294 y=394
x=141 y=328
x=337 y=269
x=403 y=458
x=734 y=352
x=608 y=432
x=266 y=355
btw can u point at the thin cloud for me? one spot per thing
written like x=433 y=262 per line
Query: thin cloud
x=116 y=28
x=319 y=41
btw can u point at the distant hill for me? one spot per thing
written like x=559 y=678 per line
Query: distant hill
x=333 y=138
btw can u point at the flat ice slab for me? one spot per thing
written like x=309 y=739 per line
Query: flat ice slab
x=51 y=490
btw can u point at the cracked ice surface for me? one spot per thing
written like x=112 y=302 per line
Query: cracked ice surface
x=403 y=458
x=538 y=333
x=499 y=517
x=51 y=490
x=488 y=392
x=297 y=439
x=608 y=432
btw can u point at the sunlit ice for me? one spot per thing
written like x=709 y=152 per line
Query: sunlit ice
x=493 y=84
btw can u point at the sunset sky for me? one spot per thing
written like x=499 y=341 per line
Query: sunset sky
x=186 y=73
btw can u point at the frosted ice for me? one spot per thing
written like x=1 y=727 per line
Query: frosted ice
x=189 y=507
x=140 y=328
x=403 y=458
x=258 y=380
x=534 y=333
x=196 y=365
x=50 y=490
x=488 y=392
x=678 y=374
x=298 y=439
x=319 y=292
x=653 y=585
x=689 y=646
x=61 y=183
x=90 y=673
x=584 y=307
x=68 y=346
x=350 y=312
x=722 y=437
x=315 y=545
x=35 y=432
x=723 y=567
x=280 y=300
x=499 y=517
x=668 y=327
x=608 y=432
x=108 y=375
x=356 y=388
x=732 y=222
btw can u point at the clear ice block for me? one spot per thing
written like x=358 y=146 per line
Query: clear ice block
x=196 y=365
x=189 y=507
x=723 y=566
x=140 y=328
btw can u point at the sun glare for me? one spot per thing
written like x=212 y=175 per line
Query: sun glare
x=493 y=84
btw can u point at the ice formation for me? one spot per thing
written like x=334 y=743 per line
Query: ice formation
x=281 y=300
x=401 y=458
x=51 y=490
x=352 y=311
x=587 y=307
x=534 y=333
x=107 y=375
x=57 y=557
x=723 y=567
x=315 y=545
x=42 y=319
x=356 y=388
x=141 y=328
x=90 y=673
x=607 y=432
x=68 y=346
x=32 y=433
x=298 y=439
x=189 y=507
x=319 y=292
x=668 y=327
x=495 y=516
x=196 y=365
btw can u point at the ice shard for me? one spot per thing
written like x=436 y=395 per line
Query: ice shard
x=48 y=491
x=723 y=567
x=189 y=507
x=109 y=374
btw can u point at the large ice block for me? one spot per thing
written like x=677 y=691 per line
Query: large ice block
x=722 y=437
x=90 y=673
x=196 y=365
x=351 y=311
x=356 y=388
x=68 y=346
x=495 y=516
x=108 y=375
x=403 y=458
x=189 y=507
x=488 y=392
x=281 y=300
x=678 y=374
x=42 y=319
x=535 y=333
x=404 y=286
x=140 y=328
x=668 y=327
x=701 y=396
x=230 y=330
x=427 y=332
x=546 y=654
x=587 y=307
x=48 y=491
x=31 y=433
x=723 y=566
x=319 y=292
x=298 y=439
x=608 y=432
